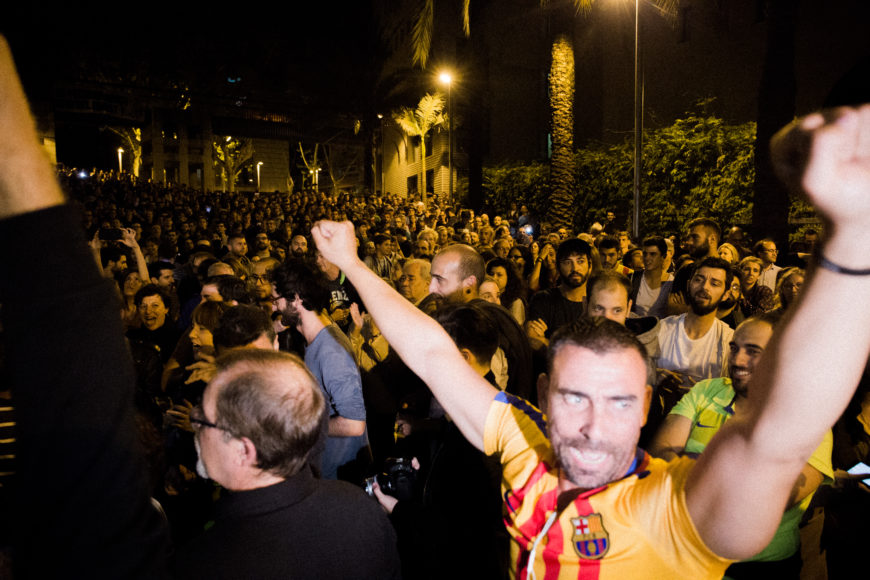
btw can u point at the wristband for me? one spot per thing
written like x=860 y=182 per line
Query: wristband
x=829 y=265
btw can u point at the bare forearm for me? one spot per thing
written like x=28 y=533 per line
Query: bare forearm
x=141 y=264
x=344 y=427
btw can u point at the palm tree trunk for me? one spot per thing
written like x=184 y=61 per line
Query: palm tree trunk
x=423 y=172
x=561 y=209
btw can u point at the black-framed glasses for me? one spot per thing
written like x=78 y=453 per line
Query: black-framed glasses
x=198 y=420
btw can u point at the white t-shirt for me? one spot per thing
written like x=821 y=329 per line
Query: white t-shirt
x=699 y=359
x=646 y=297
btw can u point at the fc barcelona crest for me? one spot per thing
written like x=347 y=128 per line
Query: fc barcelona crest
x=590 y=539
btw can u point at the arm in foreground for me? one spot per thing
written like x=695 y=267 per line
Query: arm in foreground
x=76 y=441
x=813 y=363
x=420 y=341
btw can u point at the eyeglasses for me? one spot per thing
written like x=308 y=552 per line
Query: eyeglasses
x=198 y=420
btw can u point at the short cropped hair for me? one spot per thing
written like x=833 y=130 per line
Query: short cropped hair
x=241 y=325
x=470 y=262
x=155 y=268
x=300 y=278
x=608 y=243
x=708 y=223
x=572 y=247
x=658 y=242
x=151 y=290
x=598 y=334
x=608 y=279
x=470 y=327
x=110 y=254
x=271 y=398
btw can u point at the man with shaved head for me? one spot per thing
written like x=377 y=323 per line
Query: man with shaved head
x=457 y=272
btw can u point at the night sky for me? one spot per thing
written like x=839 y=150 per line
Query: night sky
x=325 y=58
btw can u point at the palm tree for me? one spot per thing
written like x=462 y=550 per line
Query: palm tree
x=417 y=123
x=560 y=210
x=561 y=92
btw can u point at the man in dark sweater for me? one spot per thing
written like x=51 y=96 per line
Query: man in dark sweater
x=260 y=417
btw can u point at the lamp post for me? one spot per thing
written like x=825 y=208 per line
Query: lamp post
x=447 y=79
x=120 y=160
x=259 y=164
x=638 y=120
x=383 y=170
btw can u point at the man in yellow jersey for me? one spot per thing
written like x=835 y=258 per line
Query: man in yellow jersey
x=581 y=499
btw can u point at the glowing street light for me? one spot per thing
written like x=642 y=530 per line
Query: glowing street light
x=259 y=164
x=120 y=159
x=446 y=79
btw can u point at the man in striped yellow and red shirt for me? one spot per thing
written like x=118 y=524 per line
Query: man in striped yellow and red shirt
x=581 y=501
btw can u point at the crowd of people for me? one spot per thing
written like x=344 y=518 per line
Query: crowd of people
x=490 y=383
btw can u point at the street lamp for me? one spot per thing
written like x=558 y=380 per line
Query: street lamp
x=120 y=160
x=259 y=164
x=447 y=79
x=383 y=185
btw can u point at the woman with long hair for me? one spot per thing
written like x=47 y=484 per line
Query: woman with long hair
x=511 y=287
x=130 y=283
x=787 y=287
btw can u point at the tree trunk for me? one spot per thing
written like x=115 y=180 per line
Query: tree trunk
x=423 y=195
x=561 y=209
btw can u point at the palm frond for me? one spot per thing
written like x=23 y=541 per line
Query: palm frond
x=406 y=119
x=421 y=38
x=668 y=9
x=429 y=109
x=466 y=18
x=583 y=6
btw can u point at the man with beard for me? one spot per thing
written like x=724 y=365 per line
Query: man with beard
x=262 y=246
x=457 y=273
x=555 y=307
x=261 y=278
x=701 y=241
x=299 y=246
x=703 y=237
x=695 y=344
x=699 y=415
x=302 y=298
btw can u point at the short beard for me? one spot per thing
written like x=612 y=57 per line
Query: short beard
x=200 y=466
x=290 y=317
x=700 y=310
x=701 y=251
x=567 y=281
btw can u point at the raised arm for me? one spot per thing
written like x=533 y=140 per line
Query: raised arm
x=420 y=341
x=739 y=487
x=72 y=380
